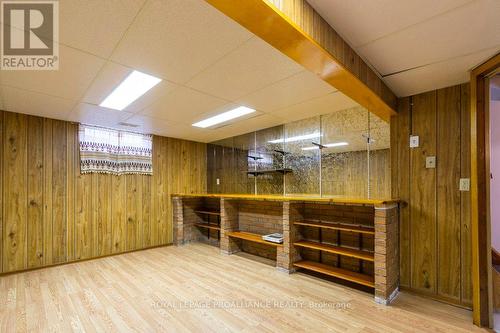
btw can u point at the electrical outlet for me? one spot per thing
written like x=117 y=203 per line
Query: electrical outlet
x=218 y=181
x=414 y=141
x=464 y=184
x=430 y=162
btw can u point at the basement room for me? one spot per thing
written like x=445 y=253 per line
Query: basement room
x=249 y=166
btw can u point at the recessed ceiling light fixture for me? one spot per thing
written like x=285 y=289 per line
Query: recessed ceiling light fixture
x=328 y=145
x=134 y=86
x=223 y=117
x=296 y=138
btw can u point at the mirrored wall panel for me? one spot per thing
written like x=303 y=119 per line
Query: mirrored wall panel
x=302 y=157
x=270 y=161
x=342 y=154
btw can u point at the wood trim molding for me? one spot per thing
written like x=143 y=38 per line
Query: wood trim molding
x=299 y=32
x=481 y=242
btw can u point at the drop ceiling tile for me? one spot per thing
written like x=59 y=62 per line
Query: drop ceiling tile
x=168 y=128
x=292 y=90
x=362 y=21
x=178 y=38
x=247 y=125
x=252 y=66
x=330 y=103
x=96 y=115
x=182 y=105
x=443 y=37
x=440 y=75
x=111 y=76
x=82 y=23
x=76 y=71
x=22 y=101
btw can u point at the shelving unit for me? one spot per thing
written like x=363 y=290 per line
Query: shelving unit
x=341 y=251
x=332 y=237
x=248 y=236
x=338 y=226
x=207 y=223
x=344 y=251
x=340 y=273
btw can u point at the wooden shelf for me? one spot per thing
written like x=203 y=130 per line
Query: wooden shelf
x=262 y=172
x=255 y=173
x=251 y=237
x=337 y=226
x=344 y=251
x=282 y=152
x=207 y=212
x=340 y=273
x=255 y=158
x=208 y=226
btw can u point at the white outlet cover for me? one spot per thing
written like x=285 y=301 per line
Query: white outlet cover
x=414 y=141
x=218 y=181
x=430 y=162
x=464 y=184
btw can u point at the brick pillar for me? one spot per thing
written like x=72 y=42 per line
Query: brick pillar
x=386 y=253
x=229 y=222
x=287 y=255
x=178 y=220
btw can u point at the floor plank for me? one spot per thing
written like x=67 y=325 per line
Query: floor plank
x=193 y=288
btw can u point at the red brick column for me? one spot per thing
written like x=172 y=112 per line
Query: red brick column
x=287 y=255
x=178 y=220
x=229 y=222
x=386 y=253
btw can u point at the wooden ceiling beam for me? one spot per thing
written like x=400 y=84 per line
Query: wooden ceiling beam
x=297 y=30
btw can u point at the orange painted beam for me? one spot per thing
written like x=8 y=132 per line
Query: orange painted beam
x=270 y=24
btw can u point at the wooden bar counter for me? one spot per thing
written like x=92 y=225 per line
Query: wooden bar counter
x=350 y=239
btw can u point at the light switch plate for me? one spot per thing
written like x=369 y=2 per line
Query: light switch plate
x=414 y=141
x=430 y=162
x=464 y=184
x=218 y=181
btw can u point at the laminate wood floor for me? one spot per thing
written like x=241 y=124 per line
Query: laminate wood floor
x=193 y=288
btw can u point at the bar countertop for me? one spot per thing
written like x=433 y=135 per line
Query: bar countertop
x=330 y=199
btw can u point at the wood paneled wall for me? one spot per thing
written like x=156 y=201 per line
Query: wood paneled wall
x=435 y=218
x=53 y=214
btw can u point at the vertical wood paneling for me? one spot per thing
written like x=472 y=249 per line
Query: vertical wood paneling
x=72 y=172
x=448 y=196
x=400 y=133
x=52 y=214
x=103 y=193
x=83 y=218
x=465 y=199
x=119 y=216
x=34 y=232
x=159 y=226
x=133 y=227
x=47 y=192
x=1 y=188
x=15 y=196
x=435 y=239
x=59 y=192
x=423 y=201
x=146 y=211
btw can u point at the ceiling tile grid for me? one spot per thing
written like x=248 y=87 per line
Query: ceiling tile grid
x=208 y=64
x=402 y=40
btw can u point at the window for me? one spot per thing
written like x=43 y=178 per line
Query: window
x=117 y=152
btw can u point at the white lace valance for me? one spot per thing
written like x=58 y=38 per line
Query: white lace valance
x=116 y=152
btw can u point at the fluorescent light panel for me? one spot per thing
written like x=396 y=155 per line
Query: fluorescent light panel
x=134 y=86
x=223 y=117
x=328 y=145
x=296 y=138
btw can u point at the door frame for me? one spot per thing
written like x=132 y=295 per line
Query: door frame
x=480 y=204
